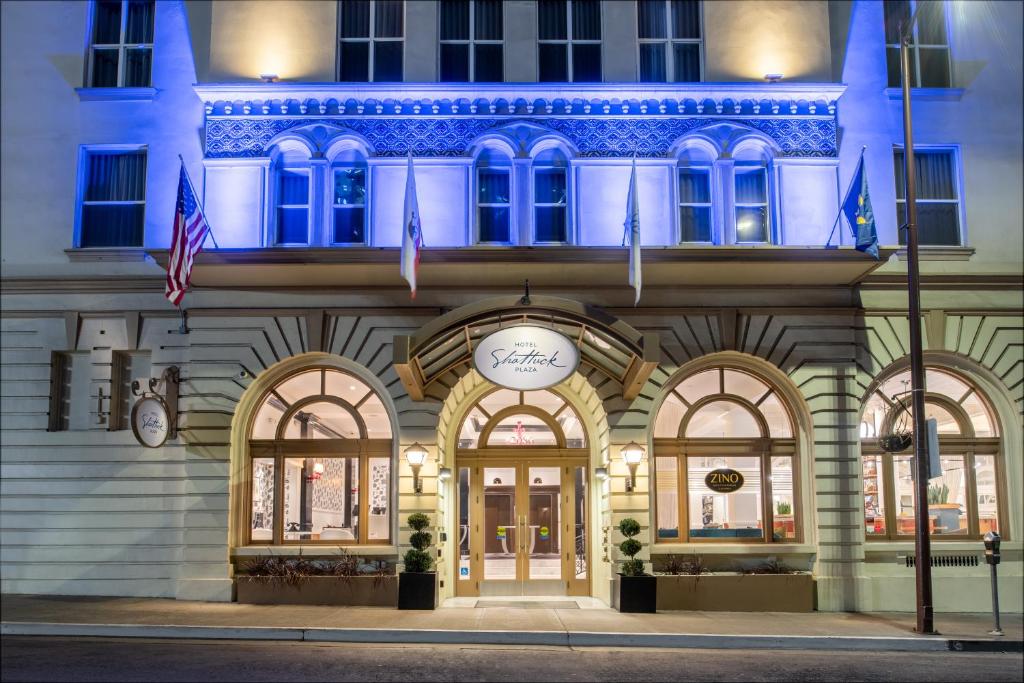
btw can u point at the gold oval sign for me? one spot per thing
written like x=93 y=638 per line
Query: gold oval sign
x=724 y=480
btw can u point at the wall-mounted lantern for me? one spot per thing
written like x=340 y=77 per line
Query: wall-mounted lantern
x=632 y=454
x=416 y=455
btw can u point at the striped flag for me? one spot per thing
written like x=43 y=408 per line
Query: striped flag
x=412 y=235
x=190 y=231
x=631 y=236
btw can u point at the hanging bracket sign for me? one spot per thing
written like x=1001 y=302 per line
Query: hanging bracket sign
x=150 y=421
x=526 y=357
x=724 y=480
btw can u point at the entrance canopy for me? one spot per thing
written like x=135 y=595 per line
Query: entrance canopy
x=445 y=345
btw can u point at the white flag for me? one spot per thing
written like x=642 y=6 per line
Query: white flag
x=632 y=234
x=412 y=236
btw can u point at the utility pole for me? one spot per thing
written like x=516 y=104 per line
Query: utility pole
x=922 y=538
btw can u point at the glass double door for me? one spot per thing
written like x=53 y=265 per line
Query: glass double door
x=522 y=527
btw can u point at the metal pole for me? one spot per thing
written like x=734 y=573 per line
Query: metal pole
x=998 y=630
x=922 y=539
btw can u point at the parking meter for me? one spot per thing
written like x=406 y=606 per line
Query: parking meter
x=992 y=541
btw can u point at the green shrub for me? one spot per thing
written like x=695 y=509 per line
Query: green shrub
x=630 y=547
x=783 y=508
x=633 y=568
x=418 y=558
x=629 y=528
x=420 y=539
x=418 y=521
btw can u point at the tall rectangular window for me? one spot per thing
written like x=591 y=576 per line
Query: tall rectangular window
x=671 y=40
x=938 y=201
x=569 y=33
x=121 y=44
x=929 y=46
x=751 y=203
x=471 y=41
x=371 y=39
x=113 y=198
x=695 y=204
x=494 y=205
x=550 y=205
x=60 y=392
x=292 y=207
x=349 y=204
x=126 y=367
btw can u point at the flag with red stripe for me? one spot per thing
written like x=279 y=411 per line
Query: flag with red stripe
x=190 y=231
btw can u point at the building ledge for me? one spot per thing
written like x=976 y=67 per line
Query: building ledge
x=116 y=94
x=938 y=546
x=302 y=550
x=927 y=94
x=473 y=267
x=119 y=254
x=925 y=253
x=733 y=548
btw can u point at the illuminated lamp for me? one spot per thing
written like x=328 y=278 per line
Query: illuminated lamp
x=632 y=454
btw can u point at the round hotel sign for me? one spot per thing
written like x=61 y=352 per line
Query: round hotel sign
x=526 y=357
x=150 y=421
x=724 y=480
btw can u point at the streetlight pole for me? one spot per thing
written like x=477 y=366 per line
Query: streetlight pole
x=922 y=539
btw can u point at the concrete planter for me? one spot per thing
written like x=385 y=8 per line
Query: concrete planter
x=352 y=591
x=737 y=592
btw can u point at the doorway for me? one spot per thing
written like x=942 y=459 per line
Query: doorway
x=523 y=524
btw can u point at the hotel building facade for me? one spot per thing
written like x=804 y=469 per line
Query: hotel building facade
x=305 y=371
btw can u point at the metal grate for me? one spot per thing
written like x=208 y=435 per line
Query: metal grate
x=946 y=560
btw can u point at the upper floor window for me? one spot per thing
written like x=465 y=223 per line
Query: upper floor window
x=695 y=199
x=371 y=36
x=121 y=45
x=670 y=40
x=113 y=196
x=292 y=206
x=471 y=41
x=964 y=500
x=550 y=197
x=929 y=48
x=938 y=200
x=751 y=201
x=494 y=198
x=569 y=34
x=348 y=175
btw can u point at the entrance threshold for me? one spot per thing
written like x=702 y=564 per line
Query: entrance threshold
x=525 y=602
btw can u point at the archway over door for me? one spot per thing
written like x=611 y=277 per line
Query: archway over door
x=582 y=398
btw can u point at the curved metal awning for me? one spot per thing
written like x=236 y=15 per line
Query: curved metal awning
x=606 y=343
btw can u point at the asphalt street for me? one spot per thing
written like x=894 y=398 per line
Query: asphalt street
x=101 y=659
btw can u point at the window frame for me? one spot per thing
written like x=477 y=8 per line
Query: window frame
x=570 y=41
x=668 y=42
x=122 y=47
x=372 y=39
x=765 y=167
x=570 y=237
x=915 y=49
x=709 y=170
x=471 y=42
x=84 y=152
x=510 y=171
x=59 y=405
x=276 y=206
x=365 y=206
x=953 y=151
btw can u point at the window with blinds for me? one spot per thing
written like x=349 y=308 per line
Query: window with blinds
x=371 y=40
x=671 y=41
x=121 y=44
x=938 y=199
x=569 y=36
x=113 y=195
x=472 y=48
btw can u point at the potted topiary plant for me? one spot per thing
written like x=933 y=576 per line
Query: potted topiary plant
x=634 y=590
x=417 y=585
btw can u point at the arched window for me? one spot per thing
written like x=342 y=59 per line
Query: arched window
x=290 y=189
x=320 y=448
x=551 y=197
x=494 y=198
x=507 y=418
x=348 y=182
x=725 y=419
x=963 y=501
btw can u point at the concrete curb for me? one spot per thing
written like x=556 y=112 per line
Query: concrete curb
x=551 y=638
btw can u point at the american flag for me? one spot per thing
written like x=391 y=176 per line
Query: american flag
x=190 y=231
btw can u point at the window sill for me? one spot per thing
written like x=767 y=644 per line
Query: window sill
x=302 y=550
x=926 y=253
x=109 y=254
x=956 y=545
x=116 y=94
x=719 y=548
x=927 y=94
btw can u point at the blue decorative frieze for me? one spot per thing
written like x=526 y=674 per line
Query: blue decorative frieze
x=619 y=136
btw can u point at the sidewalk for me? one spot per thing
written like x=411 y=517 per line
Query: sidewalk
x=590 y=625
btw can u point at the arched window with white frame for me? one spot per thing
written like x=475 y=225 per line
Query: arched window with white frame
x=964 y=501
x=725 y=420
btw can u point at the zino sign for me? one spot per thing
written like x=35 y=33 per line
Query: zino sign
x=724 y=480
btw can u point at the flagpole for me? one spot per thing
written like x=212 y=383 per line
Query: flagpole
x=209 y=230
x=845 y=195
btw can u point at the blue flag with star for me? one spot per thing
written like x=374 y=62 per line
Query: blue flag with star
x=857 y=208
